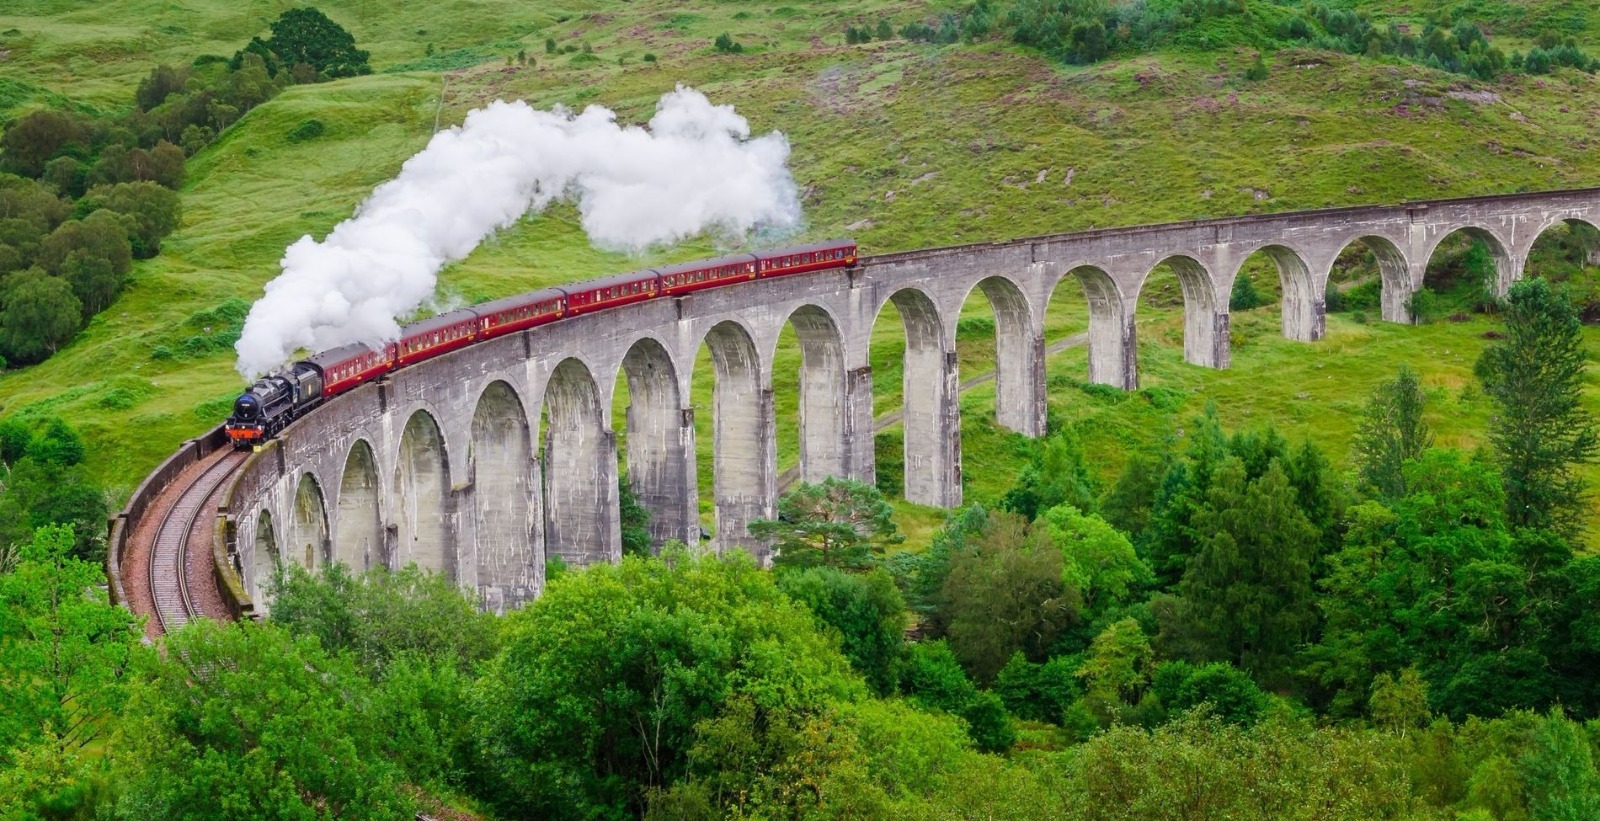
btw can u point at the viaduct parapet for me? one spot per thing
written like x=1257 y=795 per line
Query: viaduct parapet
x=482 y=463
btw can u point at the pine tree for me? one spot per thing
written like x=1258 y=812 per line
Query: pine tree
x=1541 y=432
x=1249 y=586
x=1392 y=432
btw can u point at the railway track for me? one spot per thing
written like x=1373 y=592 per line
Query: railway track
x=182 y=524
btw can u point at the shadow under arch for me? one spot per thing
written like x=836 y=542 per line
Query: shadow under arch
x=1505 y=267
x=500 y=465
x=930 y=416
x=580 y=470
x=658 y=435
x=308 y=539
x=1204 y=327
x=1394 y=273
x=743 y=455
x=357 y=526
x=423 y=498
x=1018 y=357
x=266 y=560
x=1582 y=241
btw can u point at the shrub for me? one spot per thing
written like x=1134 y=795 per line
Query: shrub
x=308 y=130
x=724 y=44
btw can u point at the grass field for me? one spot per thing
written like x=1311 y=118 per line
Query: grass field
x=898 y=144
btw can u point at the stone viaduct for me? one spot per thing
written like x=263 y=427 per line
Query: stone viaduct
x=482 y=462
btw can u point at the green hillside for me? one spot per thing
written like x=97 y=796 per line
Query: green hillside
x=899 y=144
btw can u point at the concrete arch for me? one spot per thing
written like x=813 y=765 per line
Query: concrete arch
x=1507 y=268
x=1111 y=354
x=1019 y=357
x=308 y=539
x=1593 y=255
x=1205 y=327
x=822 y=393
x=1302 y=296
x=268 y=558
x=425 y=526
x=660 y=443
x=744 y=454
x=1394 y=271
x=358 y=533
x=500 y=467
x=931 y=416
x=580 y=470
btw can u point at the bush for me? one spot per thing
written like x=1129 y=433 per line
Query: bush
x=1244 y=296
x=725 y=44
x=308 y=130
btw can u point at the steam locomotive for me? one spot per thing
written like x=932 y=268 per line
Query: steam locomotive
x=274 y=401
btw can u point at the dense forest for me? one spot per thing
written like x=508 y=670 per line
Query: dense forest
x=1234 y=628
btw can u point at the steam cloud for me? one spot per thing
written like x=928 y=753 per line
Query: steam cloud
x=694 y=169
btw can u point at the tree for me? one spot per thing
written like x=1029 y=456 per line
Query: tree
x=885 y=31
x=635 y=520
x=1540 y=432
x=1099 y=562
x=933 y=679
x=595 y=698
x=34 y=138
x=306 y=35
x=1400 y=703
x=1249 y=585
x=1115 y=670
x=1392 y=432
x=40 y=315
x=1257 y=72
x=866 y=610
x=162 y=82
x=1228 y=691
x=724 y=44
x=64 y=648
x=384 y=615
x=1056 y=472
x=102 y=234
x=239 y=720
x=838 y=523
x=93 y=282
x=1006 y=593
x=1244 y=296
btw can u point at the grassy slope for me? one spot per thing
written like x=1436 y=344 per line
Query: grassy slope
x=900 y=145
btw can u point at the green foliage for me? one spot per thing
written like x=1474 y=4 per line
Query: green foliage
x=635 y=519
x=1392 y=433
x=1257 y=72
x=865 y=610
x=1056 y=473
x=1007 y=591
x=47 y=485
x=384 y=615
x=306 y=35
x=1249 y=585
x=245 y=721
x=841 y=523
x=724 y=44
x=40 y=315
x=1228 y=692
x=150 y=212
x=64 y=649
x=307 y=130
x=922 y=575
x=603 y=679
x=933 y=678
x=1541 y=432
x=1039 y=692
x=1098 y=561
x=1245 y=296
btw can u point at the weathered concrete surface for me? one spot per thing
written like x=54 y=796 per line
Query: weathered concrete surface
x=483 y=462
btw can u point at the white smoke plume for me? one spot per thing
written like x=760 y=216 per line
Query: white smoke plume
x=693 y=169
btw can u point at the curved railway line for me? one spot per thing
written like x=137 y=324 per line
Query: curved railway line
x=185 y=522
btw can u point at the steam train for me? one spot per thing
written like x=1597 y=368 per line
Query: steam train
x=274 y=401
